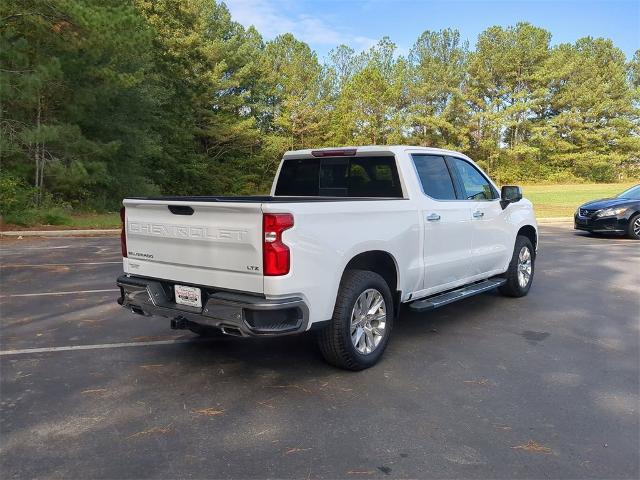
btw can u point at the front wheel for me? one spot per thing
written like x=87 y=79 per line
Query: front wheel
x=362 y=319
x=634 y=227
x=521 y=269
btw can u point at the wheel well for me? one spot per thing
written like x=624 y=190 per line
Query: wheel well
x=529 y=232
x=379 y=262
x=384 y=265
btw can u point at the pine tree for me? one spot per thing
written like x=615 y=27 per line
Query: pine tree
x=591 y=126
x=438 y=62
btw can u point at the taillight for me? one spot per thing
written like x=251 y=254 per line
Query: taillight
x=123 y=235
x=275 y=254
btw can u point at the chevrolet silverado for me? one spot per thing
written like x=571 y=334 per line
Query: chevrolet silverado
x=345 y=236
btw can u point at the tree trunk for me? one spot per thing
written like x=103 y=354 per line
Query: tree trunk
x=42 y=164
x=37 y=151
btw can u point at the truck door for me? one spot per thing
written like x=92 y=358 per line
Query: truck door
x=490 y=239
x=446 y=222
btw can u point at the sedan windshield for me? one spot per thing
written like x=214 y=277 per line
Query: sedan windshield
x=633 y=193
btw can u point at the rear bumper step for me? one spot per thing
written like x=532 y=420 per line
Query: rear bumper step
x=234 y=313
x=451 y=296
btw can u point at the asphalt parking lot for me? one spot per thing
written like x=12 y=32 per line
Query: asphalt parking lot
x=491 y=387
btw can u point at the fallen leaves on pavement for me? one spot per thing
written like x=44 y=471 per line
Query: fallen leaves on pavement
x=209 y=412
x=95 y=390
x=152 y=431
x=533 y=447
x=481 y=381
x=295 y=450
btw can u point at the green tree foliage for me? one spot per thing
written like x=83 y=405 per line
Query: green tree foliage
x=77 y=110
x=591 y=125
x=296 y=97
x=634 y=70
x=371 y=105
x=217 y=94
x=105 y=98
x=504 y=92
x=438 y=115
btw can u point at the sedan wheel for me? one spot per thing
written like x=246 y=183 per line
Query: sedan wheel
x=634 y=227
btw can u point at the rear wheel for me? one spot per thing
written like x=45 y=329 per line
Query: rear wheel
x=521 y=269
x=634 y=227
x=362 y=319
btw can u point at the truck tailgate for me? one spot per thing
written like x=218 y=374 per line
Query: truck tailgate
x=215 y=244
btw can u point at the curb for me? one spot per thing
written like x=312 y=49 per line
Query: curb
x=60 y=233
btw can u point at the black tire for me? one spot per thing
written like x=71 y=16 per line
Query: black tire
x=334 y=339
x=631 y=231
x=512 y=287
x=205 y=330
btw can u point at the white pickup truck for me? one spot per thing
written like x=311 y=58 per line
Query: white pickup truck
x=346 y=236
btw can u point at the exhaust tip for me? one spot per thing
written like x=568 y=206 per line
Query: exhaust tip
x=233 y=331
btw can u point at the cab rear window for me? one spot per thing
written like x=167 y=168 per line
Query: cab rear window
x=340 y=177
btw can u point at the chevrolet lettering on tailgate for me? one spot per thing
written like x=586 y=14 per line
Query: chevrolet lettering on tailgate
x=195 y=232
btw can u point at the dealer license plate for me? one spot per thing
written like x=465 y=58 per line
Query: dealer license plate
x=190 y=296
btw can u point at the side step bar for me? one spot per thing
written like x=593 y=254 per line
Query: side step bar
x=451 y=296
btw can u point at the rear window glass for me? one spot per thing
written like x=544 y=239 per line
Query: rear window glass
x=340 y=177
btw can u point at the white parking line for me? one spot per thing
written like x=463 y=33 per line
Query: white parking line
x=59 y=293
x=26 y=250
x=17 y=265
x=45 y=248
x=96 y=347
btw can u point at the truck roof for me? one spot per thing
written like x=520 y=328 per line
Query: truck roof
x=371 y=149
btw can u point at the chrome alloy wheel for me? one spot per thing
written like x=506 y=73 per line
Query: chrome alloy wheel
x=636 y=227
x=368 y=321
x=524 y=266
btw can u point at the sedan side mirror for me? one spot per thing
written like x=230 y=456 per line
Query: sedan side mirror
x=510 y=194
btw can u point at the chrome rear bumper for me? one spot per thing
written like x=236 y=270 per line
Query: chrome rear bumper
x=234 y=313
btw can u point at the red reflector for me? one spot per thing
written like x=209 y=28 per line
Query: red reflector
x=343 y=152
x=123 y=235
x=275 y=254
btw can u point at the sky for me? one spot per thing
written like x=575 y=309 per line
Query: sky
x=360 y=23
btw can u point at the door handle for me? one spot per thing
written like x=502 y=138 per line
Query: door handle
x=478 y=214
x=433 y=217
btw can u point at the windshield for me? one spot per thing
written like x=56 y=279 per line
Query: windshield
x=633 y=193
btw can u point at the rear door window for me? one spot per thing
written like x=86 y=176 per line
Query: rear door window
x=340 y=177
x=434 y=176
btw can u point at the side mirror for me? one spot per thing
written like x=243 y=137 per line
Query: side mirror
x=510 y=194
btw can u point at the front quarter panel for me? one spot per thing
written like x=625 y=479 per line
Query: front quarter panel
x=521 y=214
